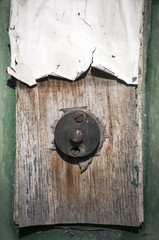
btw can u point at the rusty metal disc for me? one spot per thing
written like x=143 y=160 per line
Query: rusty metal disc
x=77 y=134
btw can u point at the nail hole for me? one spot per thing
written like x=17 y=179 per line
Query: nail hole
x=75 y=151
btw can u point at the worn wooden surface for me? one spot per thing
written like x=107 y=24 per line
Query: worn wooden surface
x=53 y=191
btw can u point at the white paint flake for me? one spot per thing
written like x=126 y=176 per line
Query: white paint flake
x=64 y=38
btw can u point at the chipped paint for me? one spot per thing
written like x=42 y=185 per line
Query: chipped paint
x=64 y=38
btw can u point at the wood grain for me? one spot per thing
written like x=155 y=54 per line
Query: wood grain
x=53 y=191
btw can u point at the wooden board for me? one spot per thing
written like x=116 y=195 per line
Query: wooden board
x=53 y=191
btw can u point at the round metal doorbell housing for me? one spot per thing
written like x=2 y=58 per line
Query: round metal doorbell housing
x=77 y=134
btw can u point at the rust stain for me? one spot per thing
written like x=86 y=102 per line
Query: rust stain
x=66 y=175
x=70 y=180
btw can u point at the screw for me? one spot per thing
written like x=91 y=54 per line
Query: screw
x=79 y=117
x=76 y=135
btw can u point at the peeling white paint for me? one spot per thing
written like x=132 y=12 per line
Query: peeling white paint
x=65 y=38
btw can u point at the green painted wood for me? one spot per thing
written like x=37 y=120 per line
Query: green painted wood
x=150 y=228
x=7 y=130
